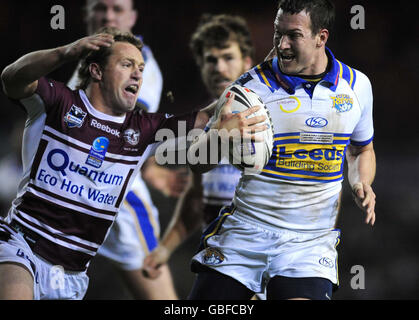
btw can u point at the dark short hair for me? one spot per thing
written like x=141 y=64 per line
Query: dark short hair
x=101 y=56
x=217 y=31
x=322 y=12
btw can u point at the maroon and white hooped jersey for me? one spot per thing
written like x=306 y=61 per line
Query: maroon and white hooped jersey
x=78 y=164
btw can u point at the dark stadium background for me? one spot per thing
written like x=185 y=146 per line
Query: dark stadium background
x=386 y=51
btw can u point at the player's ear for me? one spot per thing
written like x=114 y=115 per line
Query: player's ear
x=322 y=37
x=95 y=71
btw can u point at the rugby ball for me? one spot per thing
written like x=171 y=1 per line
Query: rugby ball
x=248 y=156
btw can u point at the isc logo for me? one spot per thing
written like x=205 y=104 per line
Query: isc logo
x=317 y=122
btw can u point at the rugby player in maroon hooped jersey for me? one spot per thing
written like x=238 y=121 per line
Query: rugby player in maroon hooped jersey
x=78 y=160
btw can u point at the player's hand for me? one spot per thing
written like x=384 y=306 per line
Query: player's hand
x=238 y=125
x=365 y=199
x=152 y=263
x=83 y=46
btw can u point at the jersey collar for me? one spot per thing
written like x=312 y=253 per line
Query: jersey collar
x=290 y=83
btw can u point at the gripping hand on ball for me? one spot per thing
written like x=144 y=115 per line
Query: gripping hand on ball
x=239 y=125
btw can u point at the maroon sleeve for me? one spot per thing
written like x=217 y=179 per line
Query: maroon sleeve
x=172 y=122
x=180 y=125
x=52 y=92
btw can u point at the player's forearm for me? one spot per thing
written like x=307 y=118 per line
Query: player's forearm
x=361 y=165
x=205 y=153
x=187 y=217
x=204 y=115
x=19 y=79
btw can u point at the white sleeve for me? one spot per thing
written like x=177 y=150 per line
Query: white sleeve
x=152 y=86
x=74 y=80
x=364 y=130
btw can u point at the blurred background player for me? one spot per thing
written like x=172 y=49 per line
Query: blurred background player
x=11 y=167
x=279 y=233
x=223 y=51
x=136 y=230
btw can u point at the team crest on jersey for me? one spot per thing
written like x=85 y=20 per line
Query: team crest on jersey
x=342 y=102
x=132 y=136
x=97 y=152
x=75 y=117
x=213 y=256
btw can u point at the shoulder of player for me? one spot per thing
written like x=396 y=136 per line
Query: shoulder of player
x=352 y=76
x=362 y=80
x=258 y=79
x=58 y=86
x=361 y=86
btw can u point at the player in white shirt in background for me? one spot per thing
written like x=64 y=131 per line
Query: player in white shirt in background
x=223 y=50
x=136 y=230
x=279 y=234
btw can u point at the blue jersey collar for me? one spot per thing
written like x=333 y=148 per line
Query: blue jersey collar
x=289 y=83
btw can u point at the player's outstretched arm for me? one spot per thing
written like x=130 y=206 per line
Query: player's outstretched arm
x=361 y=174
x=20 y=79
x=186 y=219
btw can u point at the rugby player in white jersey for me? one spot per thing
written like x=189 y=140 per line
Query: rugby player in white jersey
x=136 y=230
x=76 y=172
x=280 y=233
x=223 y=51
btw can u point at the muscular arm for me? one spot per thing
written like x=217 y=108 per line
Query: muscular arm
x=361 y=174
x=186 y=219
x=20 y=79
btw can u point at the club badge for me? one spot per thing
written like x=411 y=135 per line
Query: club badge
x=212 y=256
x=132 y=136
x=342 y=103
x=75 y=117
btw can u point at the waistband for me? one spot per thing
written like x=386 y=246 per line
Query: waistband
x=30 y=237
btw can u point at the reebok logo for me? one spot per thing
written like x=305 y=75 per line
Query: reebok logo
x=104 y=127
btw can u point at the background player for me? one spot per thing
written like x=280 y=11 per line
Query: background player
x=279 y=233
x=136 y=230
x=223 y=50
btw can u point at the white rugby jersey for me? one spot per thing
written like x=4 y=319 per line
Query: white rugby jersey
x=220 y=183
x=314 y=123
x=78 y=165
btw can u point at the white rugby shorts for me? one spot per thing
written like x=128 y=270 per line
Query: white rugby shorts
x=51 y=282
x=253 y=254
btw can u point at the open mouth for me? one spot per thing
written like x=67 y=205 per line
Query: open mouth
x=132 y=89
x=287 y=57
